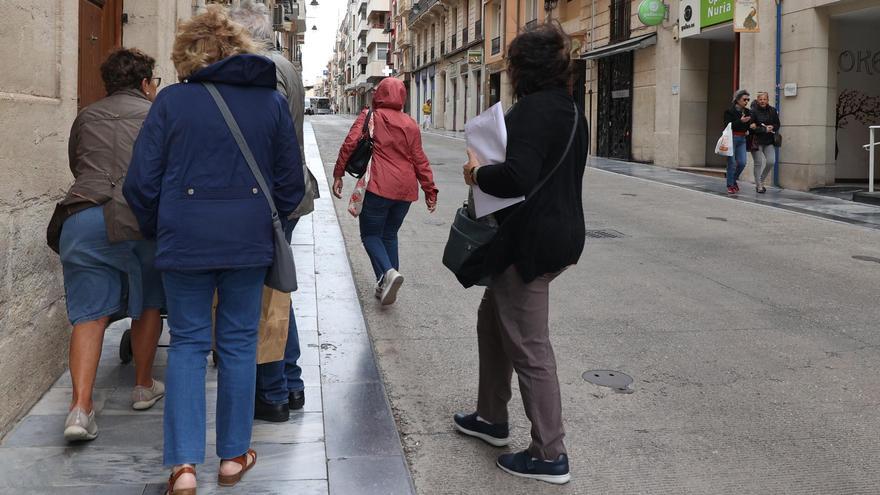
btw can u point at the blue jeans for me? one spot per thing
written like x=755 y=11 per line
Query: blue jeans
x=380 y=219
x=736 y=163
x=190 y=298
x=276 y=380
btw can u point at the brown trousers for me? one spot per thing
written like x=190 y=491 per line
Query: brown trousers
x=513 y=334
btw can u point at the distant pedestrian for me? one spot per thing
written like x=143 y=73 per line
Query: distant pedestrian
x=399 y=165
x=739 y=116
x=426 y=114
x=103 y=255
x=280 y=387
x=766 y=121
x=191 y=187
x=536 y=241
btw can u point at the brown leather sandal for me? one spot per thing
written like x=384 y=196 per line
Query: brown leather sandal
x=232 y=479
x=172 y=480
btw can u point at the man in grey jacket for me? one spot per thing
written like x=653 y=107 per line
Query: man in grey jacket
x=279 y=384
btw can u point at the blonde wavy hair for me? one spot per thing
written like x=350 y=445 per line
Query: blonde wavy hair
x=208 y=38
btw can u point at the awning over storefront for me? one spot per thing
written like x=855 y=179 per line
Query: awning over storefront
x=624 y=46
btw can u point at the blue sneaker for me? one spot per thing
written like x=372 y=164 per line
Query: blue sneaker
x=496 y=435
x=522 y=464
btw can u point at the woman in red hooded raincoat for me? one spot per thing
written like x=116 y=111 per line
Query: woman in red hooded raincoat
x=399 y=166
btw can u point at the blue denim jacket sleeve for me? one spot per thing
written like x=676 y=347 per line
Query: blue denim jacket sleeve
x=287 y=170
x=143 y=183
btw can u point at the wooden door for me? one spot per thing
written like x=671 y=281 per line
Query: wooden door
x=100 y=32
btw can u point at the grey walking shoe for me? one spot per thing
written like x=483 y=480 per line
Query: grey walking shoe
x=391 y=283
x=145 y=397
x=80 y=426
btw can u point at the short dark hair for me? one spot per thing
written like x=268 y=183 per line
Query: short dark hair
x=539 y=59
x=125 y=69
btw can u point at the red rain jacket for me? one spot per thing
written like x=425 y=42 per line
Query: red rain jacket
x=399 y=163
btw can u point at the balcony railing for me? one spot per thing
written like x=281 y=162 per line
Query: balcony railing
x=496 y=45
x=464 y=36
x=478 y=30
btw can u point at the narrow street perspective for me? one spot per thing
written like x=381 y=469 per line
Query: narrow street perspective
x=750 y=331
x=439 y=247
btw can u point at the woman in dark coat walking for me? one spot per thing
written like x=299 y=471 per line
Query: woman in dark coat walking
x=766 y=125
x=190 y=186
x=740 y=118
x=537 y=240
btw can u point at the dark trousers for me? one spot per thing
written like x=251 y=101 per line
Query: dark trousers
x=276 y=380
x=513 y=334
x=380 y=219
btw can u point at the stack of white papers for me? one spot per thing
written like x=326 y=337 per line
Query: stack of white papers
x=486 y=137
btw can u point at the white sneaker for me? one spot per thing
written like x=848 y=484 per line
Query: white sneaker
x=391 y=283
x=80 y=426
x=145 y=397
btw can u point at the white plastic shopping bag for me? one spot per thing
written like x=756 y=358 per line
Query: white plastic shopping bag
x=724 y=147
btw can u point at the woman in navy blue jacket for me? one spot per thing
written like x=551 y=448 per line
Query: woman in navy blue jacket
x=190 y=187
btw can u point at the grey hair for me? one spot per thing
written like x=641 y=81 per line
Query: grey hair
x=739 y=94
x=255 y=18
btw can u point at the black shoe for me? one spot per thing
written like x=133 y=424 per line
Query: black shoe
x=297 y=400
x=522 y=464
x=495 y=435
x=271 y=412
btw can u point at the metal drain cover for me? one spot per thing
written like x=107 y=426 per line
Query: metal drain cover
x=615 y=380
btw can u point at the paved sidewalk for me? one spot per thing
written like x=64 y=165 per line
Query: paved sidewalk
x=786 y=199
x=354 y=449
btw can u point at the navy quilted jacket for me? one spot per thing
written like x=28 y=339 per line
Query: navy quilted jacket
x=189 y=185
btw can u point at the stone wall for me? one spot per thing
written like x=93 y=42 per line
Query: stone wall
x=37 y=105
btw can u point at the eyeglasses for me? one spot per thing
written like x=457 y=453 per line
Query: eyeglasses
x=156 y=80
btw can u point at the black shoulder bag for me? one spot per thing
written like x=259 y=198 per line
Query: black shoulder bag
x=469 y=237
x=357 y=163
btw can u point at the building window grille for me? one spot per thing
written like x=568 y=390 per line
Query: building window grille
x=496 y=45
x=620 y=20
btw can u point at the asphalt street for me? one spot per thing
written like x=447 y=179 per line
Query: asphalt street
x=751 y=333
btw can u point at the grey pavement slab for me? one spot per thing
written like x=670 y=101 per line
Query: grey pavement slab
x=749 y=327
x=126 y=458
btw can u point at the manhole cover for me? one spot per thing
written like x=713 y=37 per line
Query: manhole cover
x=615 y=380
x=867 y=258
x=717 y=219
x=604 y=234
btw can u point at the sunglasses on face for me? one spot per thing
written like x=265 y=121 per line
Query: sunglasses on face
x=156 y=80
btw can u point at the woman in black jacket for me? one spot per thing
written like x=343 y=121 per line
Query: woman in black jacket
x=740 y=118
x=766 y=125
x=537 y=240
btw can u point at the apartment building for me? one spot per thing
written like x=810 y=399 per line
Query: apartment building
x=362 y=47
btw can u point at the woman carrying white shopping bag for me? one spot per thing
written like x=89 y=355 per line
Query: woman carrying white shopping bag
x=738 y=118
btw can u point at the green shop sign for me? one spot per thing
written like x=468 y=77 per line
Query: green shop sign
x=652 y=12
x=715 y=12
